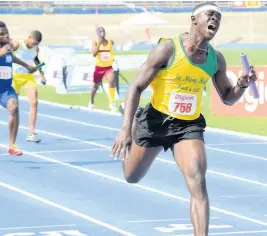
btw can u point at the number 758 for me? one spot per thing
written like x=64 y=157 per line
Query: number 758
x=182 y=107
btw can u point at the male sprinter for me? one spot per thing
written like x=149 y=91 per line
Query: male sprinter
x=104 y=57
x=8 y=96
x=27 y=50
x=178 y=70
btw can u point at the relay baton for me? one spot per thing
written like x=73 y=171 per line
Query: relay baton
x=38 y=67
x=246 y=67
x=98 y=32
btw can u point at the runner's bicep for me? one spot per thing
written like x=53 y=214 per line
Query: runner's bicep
x=158 y=58
x=144 y=76
x=220 y=79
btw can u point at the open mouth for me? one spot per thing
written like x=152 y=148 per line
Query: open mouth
x=212 y=27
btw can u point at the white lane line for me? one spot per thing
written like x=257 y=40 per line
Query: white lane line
x=66 y=209
x=37 y=227
x=64 y=150
x=143 y=187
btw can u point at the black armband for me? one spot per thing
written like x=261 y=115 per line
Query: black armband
x=37 y=62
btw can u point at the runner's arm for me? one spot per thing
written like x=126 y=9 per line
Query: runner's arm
x=37 y=61
x=160 y=56
x=95 y=47
x=8 y=48
x=22 y=63
x=228 y=93
x=4 y=50
x=15 y=45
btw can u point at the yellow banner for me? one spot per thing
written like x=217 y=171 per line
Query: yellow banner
x=252 y=4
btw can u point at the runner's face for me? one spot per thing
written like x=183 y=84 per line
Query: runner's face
x=208 y=24
x=102 y=33
x=31 y=42
x=4 y=36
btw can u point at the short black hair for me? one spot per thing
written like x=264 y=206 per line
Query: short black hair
x=2 y=24
x=204 y=4
x=37 y=35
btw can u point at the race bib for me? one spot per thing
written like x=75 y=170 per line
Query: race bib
x=105 y=56
x=182 y=104
x=5 y=72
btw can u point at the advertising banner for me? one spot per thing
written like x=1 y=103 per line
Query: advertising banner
x=247 y=104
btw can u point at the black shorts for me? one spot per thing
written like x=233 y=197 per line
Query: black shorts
x=153 y=129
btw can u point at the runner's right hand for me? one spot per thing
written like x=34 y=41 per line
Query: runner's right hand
x=30 y=69
x=4 y=50
x=122 y=143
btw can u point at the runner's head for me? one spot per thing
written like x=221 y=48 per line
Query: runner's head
x=34 y=39
x=101 y=33
x=206 y=19
x=4 y=34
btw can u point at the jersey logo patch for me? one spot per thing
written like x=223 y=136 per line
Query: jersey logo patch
x=8 y=59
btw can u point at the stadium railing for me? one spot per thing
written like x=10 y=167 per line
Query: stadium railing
x=89 y=7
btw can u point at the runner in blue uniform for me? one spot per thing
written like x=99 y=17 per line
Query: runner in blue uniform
x=8 y=96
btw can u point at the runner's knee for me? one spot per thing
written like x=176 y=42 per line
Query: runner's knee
x=131 y=171
x=137 y=163
x=132 y=179
x=96 y=85
x=134 y=172
x=12 y=107
x=199 y=188
x=34 y=102
x=133 y=176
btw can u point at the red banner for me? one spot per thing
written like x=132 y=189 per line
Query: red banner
x=247 y=105
x=238 y=4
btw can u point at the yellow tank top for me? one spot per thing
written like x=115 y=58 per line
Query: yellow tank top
x=105 y=55
x=177 y=89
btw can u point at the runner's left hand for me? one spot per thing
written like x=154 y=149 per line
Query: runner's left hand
x=243 y=81
x=43 y=80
